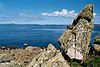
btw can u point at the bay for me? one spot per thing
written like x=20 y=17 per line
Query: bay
x=34 y=35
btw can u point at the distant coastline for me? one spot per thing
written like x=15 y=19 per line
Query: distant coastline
x=43 y=24
x=36 y=24
x=97 y=24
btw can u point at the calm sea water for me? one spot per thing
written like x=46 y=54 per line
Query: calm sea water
x=34 y=35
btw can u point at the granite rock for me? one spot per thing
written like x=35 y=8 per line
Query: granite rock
x=18 y=57
x=7 y=61
x=97 y=39
x=75 y=40
x=95 y=48
x=50 y=57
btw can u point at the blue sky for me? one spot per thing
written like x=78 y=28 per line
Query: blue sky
x=44 y=11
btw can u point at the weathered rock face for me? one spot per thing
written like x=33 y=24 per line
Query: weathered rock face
x=95 y=49
x=7 y=61
x=18 y=57
x=50 y=57
x=75 y=40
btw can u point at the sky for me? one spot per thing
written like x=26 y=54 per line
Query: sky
x=44 y=11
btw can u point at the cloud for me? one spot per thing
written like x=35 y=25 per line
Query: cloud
x=94 y=14
x=20 y=17
x=63 y=13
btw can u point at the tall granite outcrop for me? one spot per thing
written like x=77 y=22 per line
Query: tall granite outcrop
x=75 y=40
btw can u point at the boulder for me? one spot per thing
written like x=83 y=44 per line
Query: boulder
x=11 y=65
x=7 y=61
x=97 y=39
x=75 y=40
x=5 y=58
x=50 y=57
x=29 y=48
x=95 y=48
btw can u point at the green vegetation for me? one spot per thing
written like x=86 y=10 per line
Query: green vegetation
x=75 y=64
x=93 y=61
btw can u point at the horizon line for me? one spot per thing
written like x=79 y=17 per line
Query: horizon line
x=38 y=24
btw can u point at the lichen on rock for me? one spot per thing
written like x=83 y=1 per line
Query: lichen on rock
x=75 y=40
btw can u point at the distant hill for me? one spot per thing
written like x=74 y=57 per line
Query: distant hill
x=97 y=24
x=36 y=24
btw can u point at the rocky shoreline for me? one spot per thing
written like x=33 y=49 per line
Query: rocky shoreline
x=74 y=51
x=18 y=56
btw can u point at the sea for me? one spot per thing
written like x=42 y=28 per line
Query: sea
x=34 y=35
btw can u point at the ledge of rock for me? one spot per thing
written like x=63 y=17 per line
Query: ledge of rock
x=75 y=40
x=50 y=57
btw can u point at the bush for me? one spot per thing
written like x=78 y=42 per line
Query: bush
x=93 y=61
x=75 y=64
